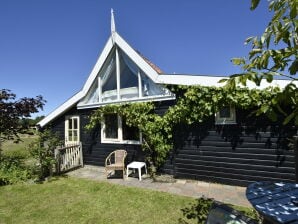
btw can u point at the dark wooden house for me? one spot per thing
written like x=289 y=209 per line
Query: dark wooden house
x=227 y=148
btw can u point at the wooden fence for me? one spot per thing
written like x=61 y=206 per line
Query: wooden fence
x=68 y=157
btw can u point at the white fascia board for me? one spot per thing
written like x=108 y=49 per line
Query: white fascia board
x=214 y=81
x=76 y=98
x=190 y=80
x=136 y=100
x=136 y=58
x=98 y=65
x=61 y=109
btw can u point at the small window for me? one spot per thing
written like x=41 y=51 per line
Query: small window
x=226 y=115
x=72 y=129
x=115 y=130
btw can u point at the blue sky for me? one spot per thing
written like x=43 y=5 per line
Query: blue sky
x=49 y=47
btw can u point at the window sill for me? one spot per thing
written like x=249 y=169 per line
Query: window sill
x=128 y=142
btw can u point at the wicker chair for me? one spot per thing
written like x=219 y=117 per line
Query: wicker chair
x=116 y=161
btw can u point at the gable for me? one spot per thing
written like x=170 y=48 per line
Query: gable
x=120 y=79
x=105 y=83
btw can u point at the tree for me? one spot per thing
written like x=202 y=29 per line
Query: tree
x=274 y=53
x=12 y=111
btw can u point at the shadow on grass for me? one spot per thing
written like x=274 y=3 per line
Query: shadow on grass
x=197 y=211
x=206 y=208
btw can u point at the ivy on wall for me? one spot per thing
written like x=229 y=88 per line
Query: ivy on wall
x=193 y=104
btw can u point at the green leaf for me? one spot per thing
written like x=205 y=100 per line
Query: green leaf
x=289 y=118
x=294 y=67
x=269 y=78
x=293 y=11
x=254 y=4
x=223 y=80
x=249 y=39
x=238 y=61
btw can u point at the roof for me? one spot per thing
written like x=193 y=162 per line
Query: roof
x=155 y=67
x=150 y=69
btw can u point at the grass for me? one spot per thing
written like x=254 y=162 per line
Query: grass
x=21 y=148
x=70 y=200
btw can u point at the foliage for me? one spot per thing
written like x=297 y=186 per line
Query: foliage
x=70 y=200
x=194 y=104
x=13 y=170
x=156 y=131
x=12 y=111
x=42 y=149
x=274 y=53
x=197 y=211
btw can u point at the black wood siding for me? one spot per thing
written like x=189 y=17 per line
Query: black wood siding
x=94 y=152
x=232 y=154
x=254 y=150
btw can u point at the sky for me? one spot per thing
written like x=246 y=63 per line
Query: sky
x=49 y=47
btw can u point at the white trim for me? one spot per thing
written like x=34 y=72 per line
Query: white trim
x=133 y=100
x=103 y=56
x=118 y=140
x=136 y=58
x=99 y=89
x=66 y=129
x=61 y=109
x=214 y=81
x=140 y=84
x=119 y=41
x=117 y=73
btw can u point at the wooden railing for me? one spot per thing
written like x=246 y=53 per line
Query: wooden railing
x=68 y=157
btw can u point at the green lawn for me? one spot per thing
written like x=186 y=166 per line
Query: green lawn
x=69 y=200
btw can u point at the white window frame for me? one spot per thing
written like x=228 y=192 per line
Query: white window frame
x=66 y=132
x=118 y=140
x=226 y=120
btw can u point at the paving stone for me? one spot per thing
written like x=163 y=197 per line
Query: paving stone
x=181 y=181
x=196 y=189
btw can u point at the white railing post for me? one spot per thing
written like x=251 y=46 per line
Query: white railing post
x=58 y=160
x=81 y=155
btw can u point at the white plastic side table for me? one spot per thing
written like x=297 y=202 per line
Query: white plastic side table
x=137 y=165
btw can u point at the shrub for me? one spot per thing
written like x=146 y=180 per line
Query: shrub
x=43 y=151
x=13 y=170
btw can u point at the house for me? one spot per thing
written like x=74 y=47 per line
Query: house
x=222 y=149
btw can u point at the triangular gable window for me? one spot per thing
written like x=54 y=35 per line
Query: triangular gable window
x=120 y=79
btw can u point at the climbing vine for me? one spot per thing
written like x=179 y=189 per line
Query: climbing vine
x=193 y=104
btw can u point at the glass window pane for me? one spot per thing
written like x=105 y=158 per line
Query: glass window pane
x=70 y=137
x=75 y=123
x=70 y=123
x=75 y=135
x=149 y=87
x=111 y=126
x=225 y=112
x=130 y=133
x=128 y=77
